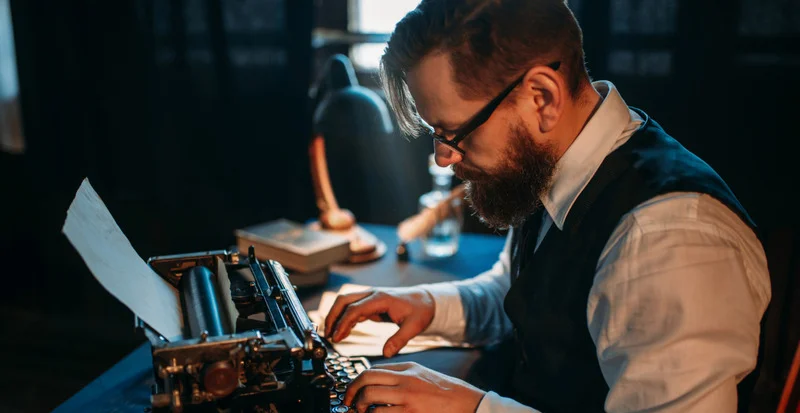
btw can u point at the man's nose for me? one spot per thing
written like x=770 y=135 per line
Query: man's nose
x=444 y=155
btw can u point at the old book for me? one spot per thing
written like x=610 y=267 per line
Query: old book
x=294 y=245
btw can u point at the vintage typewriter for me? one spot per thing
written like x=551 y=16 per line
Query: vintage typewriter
x=248 y=343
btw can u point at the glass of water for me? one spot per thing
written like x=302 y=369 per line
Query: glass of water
x=442 y=240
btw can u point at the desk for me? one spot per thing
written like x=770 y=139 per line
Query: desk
x=125 y=387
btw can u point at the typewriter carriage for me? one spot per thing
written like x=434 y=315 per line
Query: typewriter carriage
x=268 y=356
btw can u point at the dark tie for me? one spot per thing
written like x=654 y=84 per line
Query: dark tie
x=524 y=242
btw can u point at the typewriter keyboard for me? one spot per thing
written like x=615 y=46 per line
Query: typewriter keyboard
x=344 y=370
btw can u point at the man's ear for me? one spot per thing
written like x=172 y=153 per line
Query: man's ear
x=546 y=91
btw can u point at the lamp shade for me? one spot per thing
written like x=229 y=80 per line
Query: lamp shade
x=364 y=154
x=344 y=107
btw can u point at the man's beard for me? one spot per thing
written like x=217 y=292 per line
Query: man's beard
x=506 y=196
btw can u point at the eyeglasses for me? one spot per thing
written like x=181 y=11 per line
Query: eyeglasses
x=482 y=116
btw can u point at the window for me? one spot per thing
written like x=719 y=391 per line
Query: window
x=375 y=16
x=254 y=55
x=652 y=23
x=767 y=18
x=768 y=31
x=644 y=17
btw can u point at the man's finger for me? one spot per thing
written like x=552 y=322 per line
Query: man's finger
x=366 y=307
x=394 y=366
x=370 y=378
x=409 y=329
x=376 y=394
x=341 y=302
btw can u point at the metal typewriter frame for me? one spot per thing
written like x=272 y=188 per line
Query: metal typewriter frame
x=279 y=361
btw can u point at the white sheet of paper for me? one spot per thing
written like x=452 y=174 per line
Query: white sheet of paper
x=115 y=264
x=367 y=338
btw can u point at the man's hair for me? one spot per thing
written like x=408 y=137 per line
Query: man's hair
x=489 y=43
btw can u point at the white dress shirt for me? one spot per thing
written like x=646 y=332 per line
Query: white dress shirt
x=677 y=299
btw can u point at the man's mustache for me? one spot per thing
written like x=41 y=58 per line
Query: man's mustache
x=469 y=174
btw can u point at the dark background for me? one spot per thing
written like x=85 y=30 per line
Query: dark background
x=192 y=118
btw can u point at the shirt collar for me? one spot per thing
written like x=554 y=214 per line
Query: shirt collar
x=582 y=159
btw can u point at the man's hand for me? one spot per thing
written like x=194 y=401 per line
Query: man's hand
x=410 y=388
x=410 y=308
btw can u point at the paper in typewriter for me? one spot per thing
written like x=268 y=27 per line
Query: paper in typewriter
x=115 y=264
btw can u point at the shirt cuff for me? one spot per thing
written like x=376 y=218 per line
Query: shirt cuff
x=448 y=319
x=494 y=403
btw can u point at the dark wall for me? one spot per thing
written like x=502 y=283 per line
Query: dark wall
x=719 y=76
x=190 y=119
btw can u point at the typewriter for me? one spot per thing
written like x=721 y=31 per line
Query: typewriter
x=248 y=344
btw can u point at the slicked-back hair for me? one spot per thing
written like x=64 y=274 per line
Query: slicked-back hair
x=489 y=42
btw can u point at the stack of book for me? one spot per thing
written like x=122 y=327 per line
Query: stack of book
x=306 y=254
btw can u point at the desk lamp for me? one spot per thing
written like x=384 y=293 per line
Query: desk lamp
x=343 y=107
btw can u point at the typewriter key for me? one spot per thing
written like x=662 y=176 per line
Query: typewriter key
x=340 y=409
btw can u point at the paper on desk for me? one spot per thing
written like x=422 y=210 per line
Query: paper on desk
x=115 y=264
x=367 y=338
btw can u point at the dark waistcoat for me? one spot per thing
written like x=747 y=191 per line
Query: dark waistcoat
x=556 y=367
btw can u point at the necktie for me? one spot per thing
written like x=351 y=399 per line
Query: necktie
x=525 y=242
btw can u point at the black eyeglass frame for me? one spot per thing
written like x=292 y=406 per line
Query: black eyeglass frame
x=482 y=116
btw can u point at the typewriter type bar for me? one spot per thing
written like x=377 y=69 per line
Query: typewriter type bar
x=271 y=360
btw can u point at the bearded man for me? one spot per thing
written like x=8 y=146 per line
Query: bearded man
x=632 y=279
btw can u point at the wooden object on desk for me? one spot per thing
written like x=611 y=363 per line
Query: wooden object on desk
x=420 y=224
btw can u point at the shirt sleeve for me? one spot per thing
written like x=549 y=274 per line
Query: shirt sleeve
x=471 y=311
x=676 y=305
x=494 y=403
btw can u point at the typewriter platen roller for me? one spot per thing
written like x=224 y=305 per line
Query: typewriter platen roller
x=248 y=344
